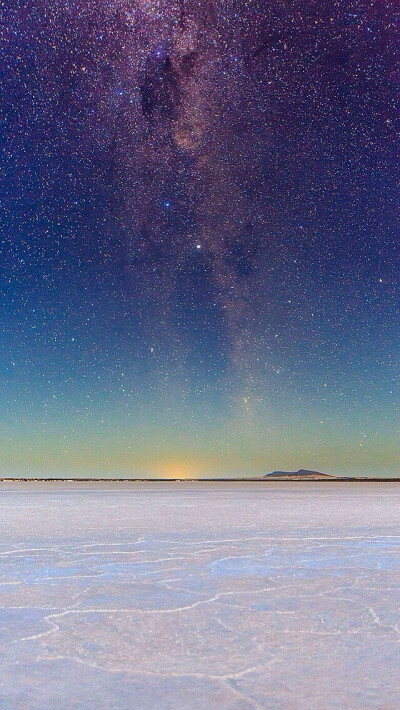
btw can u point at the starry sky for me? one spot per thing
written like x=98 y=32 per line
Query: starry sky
x=199 y=237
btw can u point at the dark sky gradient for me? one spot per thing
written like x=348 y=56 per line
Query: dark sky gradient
x=199 y=237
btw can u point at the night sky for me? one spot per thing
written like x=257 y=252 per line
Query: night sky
x=199 y=237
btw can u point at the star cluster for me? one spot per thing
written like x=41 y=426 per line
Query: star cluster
x=199 y=236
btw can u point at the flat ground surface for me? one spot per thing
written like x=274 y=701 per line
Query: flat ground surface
x=191 y=596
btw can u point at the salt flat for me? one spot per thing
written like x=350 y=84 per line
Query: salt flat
x=190 y=596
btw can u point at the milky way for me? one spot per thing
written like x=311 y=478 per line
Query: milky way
x=199 y=235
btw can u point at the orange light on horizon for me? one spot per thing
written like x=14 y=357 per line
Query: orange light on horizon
x=175 y=469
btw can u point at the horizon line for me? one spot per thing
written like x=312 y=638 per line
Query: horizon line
x=266 y=478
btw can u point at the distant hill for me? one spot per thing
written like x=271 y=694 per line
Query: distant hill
x=301 y=474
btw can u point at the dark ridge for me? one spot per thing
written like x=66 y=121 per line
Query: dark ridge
x=301 y=473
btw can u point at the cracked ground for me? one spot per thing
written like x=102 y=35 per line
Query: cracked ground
x=189 y=596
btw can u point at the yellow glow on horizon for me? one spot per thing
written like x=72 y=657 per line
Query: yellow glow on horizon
x=175 y=469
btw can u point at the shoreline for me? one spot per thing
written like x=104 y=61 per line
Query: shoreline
x=331 y=479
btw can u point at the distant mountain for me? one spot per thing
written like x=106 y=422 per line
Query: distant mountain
x=302 y=473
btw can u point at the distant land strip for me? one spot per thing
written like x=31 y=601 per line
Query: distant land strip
x=259 y=479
